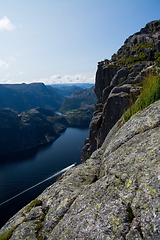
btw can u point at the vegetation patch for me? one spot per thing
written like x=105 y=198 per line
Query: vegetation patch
x=72 y=111
x=7 y=235
x=34 y=203
x=142 y=46
x=150 y=93
x=138 y=53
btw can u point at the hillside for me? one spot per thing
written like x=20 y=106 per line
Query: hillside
x=64 y=90
x=79 y=99
x=22 y=97
x=79 y=107
x=28 y=129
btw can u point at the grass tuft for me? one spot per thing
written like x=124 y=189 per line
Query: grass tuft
x=150 y=93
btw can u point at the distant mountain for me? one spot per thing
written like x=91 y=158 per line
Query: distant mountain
x=66 y=90
x=22 y=97
x=68 y=85
x=79 y=107
x=79 y=99
x=28 y=129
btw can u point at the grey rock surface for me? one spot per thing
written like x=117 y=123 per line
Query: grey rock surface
x=115 y=194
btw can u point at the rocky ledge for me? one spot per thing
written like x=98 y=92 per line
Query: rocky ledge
x=115 y=194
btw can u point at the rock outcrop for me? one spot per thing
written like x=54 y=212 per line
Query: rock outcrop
x=118 y=79
x=115 y=194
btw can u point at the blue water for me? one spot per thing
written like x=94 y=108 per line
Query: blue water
x=23 y=172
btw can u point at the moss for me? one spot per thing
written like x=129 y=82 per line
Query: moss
x=128 y=183
x=115 y=223
x=153 y=191
x=7 y=235
x=154 y=160
x=34 y=203
x=115 y=220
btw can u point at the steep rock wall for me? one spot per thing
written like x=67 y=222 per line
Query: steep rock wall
x=117 y=79
x=113 y=195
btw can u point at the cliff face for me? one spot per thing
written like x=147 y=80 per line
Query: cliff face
x=113 y=195
x=117 y=80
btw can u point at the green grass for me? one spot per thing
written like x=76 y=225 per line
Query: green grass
x=149 y=94
x=141 y=54
x=72 y=111
x=142 y=46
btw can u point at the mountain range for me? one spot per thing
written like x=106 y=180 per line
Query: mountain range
x=22 y=97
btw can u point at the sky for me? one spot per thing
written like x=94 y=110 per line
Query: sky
x=61 y=41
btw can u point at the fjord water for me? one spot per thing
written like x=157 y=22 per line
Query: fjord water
x=19 y=173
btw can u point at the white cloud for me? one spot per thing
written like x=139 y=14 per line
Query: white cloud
x=54 y=79
x=3 y=64
x=57 y=79
x=5 y=24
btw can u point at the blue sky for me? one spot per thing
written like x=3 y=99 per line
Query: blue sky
x=59 y=41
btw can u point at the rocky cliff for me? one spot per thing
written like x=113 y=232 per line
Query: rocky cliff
x=115 y=194
x=118 y=79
